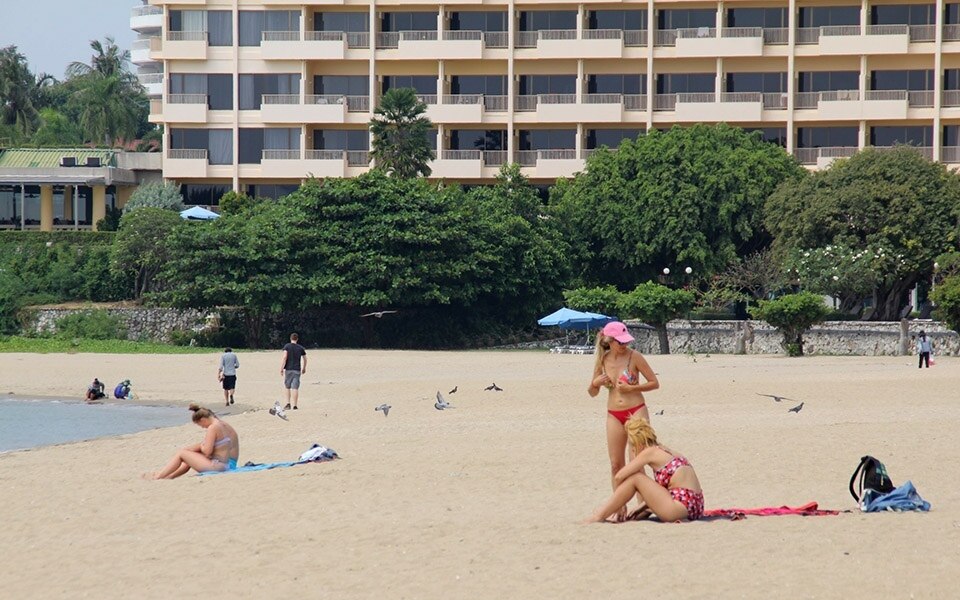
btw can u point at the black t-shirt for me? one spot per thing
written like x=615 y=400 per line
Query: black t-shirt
x=294 y=352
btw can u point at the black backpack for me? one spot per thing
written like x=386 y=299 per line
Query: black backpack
x=872 y=476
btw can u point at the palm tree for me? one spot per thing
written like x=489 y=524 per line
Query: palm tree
x=400 y=129
x=107 y=61
x=16 y=93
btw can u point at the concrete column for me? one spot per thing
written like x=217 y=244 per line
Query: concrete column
x=651 y=74
x=46 y=208
x=581 y=81
x=864 y=16
x=718 y=81
x=123 y=195
x=581 y=14
x=67 y=203
x=511 y=83
x=791 y=73
x=441 y=22
x=99 y=204
x=236 y=102
x=863 y=94
x=441 y=76
x=580 y=141
x=938 y=85
x=720 y=18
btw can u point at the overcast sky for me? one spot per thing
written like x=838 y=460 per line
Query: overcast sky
x=54 y=33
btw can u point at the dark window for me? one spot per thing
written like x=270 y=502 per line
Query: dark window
x=188 y=83
x=408 y=21
x=254 y=23
x=253 y=87
x=423 y=84
x=686 y=18
x=271 y=190
x=281 y=138
x=490 y=85
x=828 y=81
x=919 y=80
x=627 y=20
x=628 y=83
x=531 y=85
x=951 y=14
x=535 y=20
x=199 y=193
x=251 y=146
x=478 y=21
x=342 y=85
x=220 y=92
x=904 y=14
x=478 y=139
x=341 y=21
x=757 y=82
x=685 y=83
x=610 y=138
x=341 y=139
x=548 y=139
x=217 y=142
x=951 y=135
x=951 y=79
x=828 y=137
x=757 y=17
x=820 y=16
x=219 y=28
x=773 y=135
x=893 y=135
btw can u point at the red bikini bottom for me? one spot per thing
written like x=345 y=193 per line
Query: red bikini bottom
x=623 y=415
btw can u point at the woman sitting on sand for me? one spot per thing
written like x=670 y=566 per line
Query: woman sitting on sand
x=218 y=451
x=618 y=368
x=673 y=494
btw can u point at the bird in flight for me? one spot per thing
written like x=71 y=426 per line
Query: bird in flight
x=385 y=408
x=493 y=387
x=278 y=411
x=776 y=398
x=796 y=408
x=379 y=314
x=441 y=403
x=454 y=390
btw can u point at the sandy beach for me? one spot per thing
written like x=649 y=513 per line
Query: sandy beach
x=483 y=501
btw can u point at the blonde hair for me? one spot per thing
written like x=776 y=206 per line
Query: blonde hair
x=639 y=432
x=200 y=412
x=601 y=351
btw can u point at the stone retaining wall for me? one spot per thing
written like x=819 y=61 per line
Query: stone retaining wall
x=153 y=324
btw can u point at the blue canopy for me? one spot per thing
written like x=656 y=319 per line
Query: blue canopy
x=567 y=318
x=198 y=213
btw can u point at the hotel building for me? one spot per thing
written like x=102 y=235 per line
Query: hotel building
x=258 y=95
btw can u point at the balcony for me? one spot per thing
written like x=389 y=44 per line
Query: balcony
x=185 y=45
x=140 y=52
x=314 y=163
x=823 y=157
x=146 y=18
x=459 y=108
x=185 y=108
x=564 y=108
x=184 y=163
x=458 y=164
x=846 y=104
x=291 y=108
x=877 y=39
x=708 y=107
x=550 y=163
x=564 y=43
x=950 y=155
x=433 y=45
x=152 y=83
x=313 y=45
x=710 y=41
x=950 y=99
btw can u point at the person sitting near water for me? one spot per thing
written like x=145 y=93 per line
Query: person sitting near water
x=122 y=391
x=95 y=391
x=674 y=492
x=218 y=451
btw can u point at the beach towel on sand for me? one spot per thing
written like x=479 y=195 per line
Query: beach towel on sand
x=315 y=454
x=810 y=509
x=903 y=498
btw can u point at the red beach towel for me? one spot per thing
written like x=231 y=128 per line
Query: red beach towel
x=810 y=509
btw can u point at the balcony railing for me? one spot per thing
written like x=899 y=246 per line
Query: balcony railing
x=665 y=37
x=602 y=34
x=809 y=156
x=358 y=39
x=882 y=95
x=462 y=99
x=525 y=104
x=557 y=99
x=142 y=11
x=558 y=34
x=462 y=36
x=280 y=99
x=495 y=103
x=281 y=36
x=923 y=33
x=148 y=78
x=603 y=98
x=187 y=99
x=635 y=102
x=775 y=100
x=753 y=97
x=496 y=39
x=358 y=158
x=842 y=30
x=950 y=154
x=358 y=104
x=388 y=40
x=527 y=39
x=419 y=36
x=665 y=102
x=776 y=36
x=635 y=37
x=564 y=154
x=921 y=99
x=886 y=30
x=325 y=154
x=807 y=35
x=951 y=98
x=803 y=100
x=187 y=154
x=951 y=33
x=323 y=36
x=697 y=32
x=494 y=158
x=527 y=158
x=324 y=99
x=840 y=96
x=186 y=36
x=461 y=154
x=140 y=44
x=427 y=98
x=272 y=154
x=697 y=97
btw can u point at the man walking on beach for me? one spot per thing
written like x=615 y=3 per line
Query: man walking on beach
x=227 y=374
x=292 y=366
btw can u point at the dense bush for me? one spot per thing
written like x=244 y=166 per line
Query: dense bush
x=157 y=195
x=947 y=299
x=91 y=325
x=793 y=315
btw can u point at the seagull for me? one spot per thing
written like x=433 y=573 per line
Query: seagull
x=659 y=413
x=796 y=408
x=777 y=398
x=385 y=408
x=493 y=387
x=442 y=404
x=454 y=390
x=278 y=410
x=379 y=314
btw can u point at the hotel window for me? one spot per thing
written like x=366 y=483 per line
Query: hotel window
x=821 y=16
x=487 y=85
x=828 y=137
x=253 y=141
x=355 y=22
x=625 y=20
x=768 y=18
x=771 y=135
x=686 y=18
x=217 y=87
x=951 y=136
x=951 y=14
x=202 y=193
x=271 y=191
x=757 y=82
x=919 y=80
x=423 y=84
x=627 y=83
x=610 y=138
x=915 y=135
x=254 y=86
x=217 y=23
x=904 y=14
x=828 y=81
x=685 y=83
x=535 y=20
x=478 y=139
x=478 y=21
x=341 y=139
x=532 y=85
x=408 y=21
x=254 y=23
x=548 y=139
x=342 y=85
x=217 y=142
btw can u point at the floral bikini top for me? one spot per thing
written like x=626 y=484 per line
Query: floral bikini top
x=664 y=474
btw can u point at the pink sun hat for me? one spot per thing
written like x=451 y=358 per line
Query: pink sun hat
x=617 y=331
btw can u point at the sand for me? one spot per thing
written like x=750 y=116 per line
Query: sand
x=482 y=501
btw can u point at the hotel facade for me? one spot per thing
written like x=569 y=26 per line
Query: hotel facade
x=258 y=95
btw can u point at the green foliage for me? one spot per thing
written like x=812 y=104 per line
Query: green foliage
x=233 y=203
x=57 y=130
x=842 y=272
x=687 y=197
x=894 y=201
x=157 y=195
x=793 y=315
x=946 y=265
x=140 y=249
x=400 y=128
x=110 y=221
x=91 y=325
x=34 y=345
x=656 y=304
x=601 y=299
x=18 y=108
x=946 y=296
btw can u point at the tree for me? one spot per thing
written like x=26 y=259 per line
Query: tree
x=140 y=249
x=894 y=204
x=685 y=197
x=841 y=272
x=157 y=195
x=17 y=86
x=656 y=305
x=601 y=299
x=233 y=203
x=400 y=129
x=108 y=60
x=947 y=299
x=56 y=130
x=792 y=315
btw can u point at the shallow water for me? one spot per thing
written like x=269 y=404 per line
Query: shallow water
x=29 y=423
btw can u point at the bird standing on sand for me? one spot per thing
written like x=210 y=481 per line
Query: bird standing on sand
x=493 y=387
x=278 y=411
x=796 y=408
x=385 y=408
x=659 y=413
x=379 y=314
x=777 y=398
x=441 y=403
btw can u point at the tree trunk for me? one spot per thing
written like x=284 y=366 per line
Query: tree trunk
x=664 y=340
x=890 y=300
x=253 y=322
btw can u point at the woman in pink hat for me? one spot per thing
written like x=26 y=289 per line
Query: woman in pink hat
x=618 y=368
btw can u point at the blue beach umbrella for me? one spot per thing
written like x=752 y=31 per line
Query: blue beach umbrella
x=198 y=213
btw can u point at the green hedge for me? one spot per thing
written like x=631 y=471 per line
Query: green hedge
x=42 y=237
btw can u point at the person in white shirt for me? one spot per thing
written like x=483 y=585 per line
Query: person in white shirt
x=227 y=374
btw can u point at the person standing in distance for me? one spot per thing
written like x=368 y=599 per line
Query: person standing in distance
x=292 y=366
x=227 y=374
x=924 y=348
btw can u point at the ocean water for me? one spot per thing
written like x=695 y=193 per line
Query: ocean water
x=29 y=423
